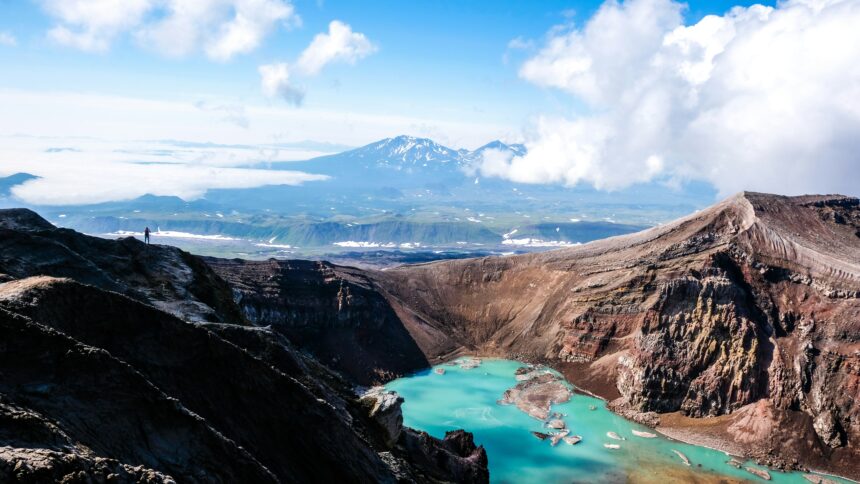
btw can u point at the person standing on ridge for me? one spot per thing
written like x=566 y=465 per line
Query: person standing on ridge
x=146 y=235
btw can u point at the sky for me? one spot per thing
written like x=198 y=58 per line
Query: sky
x=741 y=95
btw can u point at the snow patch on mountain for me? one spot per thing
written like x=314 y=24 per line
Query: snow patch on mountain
x=410 y=152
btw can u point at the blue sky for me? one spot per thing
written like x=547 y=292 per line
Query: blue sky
x=435 y=60
x=739 y=95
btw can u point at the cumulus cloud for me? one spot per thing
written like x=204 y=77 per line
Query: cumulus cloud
x=340 y=44
x=275 y=82
x=93 y=24
x=759 y=98
x=8 y=39
x=219 y=28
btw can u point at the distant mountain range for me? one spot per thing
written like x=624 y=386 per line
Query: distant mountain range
x=402 y=160
x=408 y=152
x=400 y=190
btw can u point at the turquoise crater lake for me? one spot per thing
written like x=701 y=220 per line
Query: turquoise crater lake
x=467 y=398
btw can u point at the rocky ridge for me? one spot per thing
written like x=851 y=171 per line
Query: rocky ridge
x=166 y=277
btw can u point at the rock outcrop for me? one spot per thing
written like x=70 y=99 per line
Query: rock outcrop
x=383 y=407
x=754 y=301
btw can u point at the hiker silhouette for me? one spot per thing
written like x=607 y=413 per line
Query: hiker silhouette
x=146 y=235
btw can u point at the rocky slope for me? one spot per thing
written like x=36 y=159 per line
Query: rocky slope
x=169 y=278
x=738 y=326
x=115 y=377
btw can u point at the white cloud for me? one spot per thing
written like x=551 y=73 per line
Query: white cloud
x=219 y=28
x=100 y=181
x=340 y=44
x=275 y=82
x=8 y=39
x=760 y=98
x=76 y=170
x=93 y=24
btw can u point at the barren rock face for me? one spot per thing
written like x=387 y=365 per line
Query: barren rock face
x=754 y=299
x=336 y=313
x=698 y=349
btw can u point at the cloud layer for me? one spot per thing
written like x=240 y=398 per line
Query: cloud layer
x=219 y=28
x=88 y=184
x=760 y=98
x=87 y=170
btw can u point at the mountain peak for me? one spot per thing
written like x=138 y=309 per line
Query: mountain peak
x=405 y=149
x=413 y=154
x=495 y=144
x=516 y=148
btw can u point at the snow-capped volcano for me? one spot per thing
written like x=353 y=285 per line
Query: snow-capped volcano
x=407 y=150
x=402 y=157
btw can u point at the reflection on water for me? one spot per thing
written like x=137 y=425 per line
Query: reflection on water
x=466 y=398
